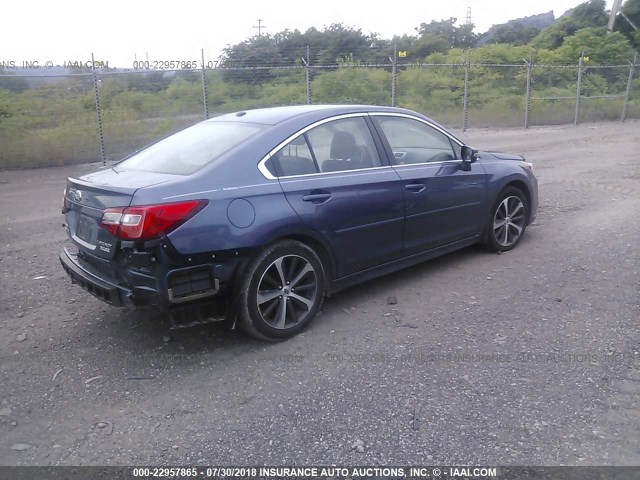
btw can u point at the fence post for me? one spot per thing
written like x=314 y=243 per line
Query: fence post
x=579 y=90
x=527 y=103
x=465 y=98
x=627 y=93
x=394 y=62
x=205 y=94
x=307 y=64
x=98 y=111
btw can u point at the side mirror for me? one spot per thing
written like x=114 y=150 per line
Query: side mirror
x=468 y=154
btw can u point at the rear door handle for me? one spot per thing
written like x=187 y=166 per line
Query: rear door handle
x=316 y=197
x=415 y=187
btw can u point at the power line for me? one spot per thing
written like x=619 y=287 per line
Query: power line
x=260 y=26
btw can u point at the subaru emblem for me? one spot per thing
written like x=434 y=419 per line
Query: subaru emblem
x=77 y=195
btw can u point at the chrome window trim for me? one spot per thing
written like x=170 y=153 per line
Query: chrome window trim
x=267 y=174
x=426 y=164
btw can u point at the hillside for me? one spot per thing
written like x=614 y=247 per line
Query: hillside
x=532 y=24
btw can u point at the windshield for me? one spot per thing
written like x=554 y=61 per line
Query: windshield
x=191 y=149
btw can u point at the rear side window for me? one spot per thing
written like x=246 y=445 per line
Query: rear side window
x=191 y=149
x=294 y=158
x=344 y=144
x=335 y=146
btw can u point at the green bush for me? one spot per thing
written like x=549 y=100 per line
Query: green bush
x=353 y=85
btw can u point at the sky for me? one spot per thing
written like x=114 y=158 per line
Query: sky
x=119 y=31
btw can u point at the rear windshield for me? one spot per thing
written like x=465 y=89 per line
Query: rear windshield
x=191 y=149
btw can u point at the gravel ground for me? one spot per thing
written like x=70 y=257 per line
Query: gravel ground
x=525 y=358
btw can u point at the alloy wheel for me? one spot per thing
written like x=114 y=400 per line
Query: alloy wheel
x=509 y=221
x=287 y=291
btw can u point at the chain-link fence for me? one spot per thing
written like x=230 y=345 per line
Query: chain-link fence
x=103 y=115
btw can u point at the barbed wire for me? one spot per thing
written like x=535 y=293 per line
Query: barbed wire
x=316 y=66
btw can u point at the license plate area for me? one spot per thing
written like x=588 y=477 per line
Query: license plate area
x=84 y=230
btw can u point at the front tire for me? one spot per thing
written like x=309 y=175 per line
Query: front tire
x=281 y=291
x=508 y=222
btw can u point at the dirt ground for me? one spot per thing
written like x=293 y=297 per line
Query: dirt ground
x=525 y=358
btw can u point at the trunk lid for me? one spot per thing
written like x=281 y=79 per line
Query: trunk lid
x=87 y=197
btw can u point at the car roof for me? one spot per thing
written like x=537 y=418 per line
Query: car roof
x=275 y=115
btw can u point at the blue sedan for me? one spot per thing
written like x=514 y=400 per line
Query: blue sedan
x=257 y=216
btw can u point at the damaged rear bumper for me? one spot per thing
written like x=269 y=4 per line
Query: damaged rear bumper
x=110 y=292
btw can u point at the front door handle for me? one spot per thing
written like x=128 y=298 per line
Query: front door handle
x=415 y=187
x=316 y=197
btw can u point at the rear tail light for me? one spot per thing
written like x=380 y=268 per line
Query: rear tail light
x=148 y=222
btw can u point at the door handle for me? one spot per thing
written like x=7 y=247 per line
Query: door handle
x=316 y=197
x=415 y=187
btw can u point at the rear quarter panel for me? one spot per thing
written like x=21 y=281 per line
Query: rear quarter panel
x=245 y=209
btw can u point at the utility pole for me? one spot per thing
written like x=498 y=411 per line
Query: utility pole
x=98 y=111
x=468 y=22
x=260 y=26
x=615 y=9
x=394 y=74
x=579 y=89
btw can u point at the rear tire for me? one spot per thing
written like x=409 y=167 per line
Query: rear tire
x=281 y=291
x=508 y=221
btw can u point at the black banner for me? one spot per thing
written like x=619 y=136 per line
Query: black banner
x=321 y=472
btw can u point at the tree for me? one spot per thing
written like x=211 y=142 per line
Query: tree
x=514 y=33
x=464 y=36
x=443 y=28
x=588 y=14
x=341 y=42
x=247 y=56
x=457 y=37
x=592 y=13
x=430 y=44
x=600 y=47
x=257 y=51
x=327 y=47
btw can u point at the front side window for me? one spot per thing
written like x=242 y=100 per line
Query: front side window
x=414 y=142
x=190 y=149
